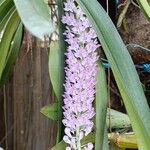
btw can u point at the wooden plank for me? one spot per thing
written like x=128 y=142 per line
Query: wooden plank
x=30 y=91
x=2 y=122
x=9 y=115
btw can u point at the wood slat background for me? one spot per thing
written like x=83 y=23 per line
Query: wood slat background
x=28 y=90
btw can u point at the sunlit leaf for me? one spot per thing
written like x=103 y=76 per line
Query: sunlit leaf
x=145 y=6
x=5 y=7
x=36 y=17
x=6 y=18
x=12 y=55
x=6 y=40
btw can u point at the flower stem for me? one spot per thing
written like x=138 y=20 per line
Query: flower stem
x=78 y=138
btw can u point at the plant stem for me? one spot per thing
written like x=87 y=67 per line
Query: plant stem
x=78 y=138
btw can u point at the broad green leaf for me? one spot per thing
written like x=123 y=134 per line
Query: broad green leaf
x=101 y=106
x=12 y=54
x=144 y=5
x=123 y=69
x=116 y=119
x=50 y=111
x=6 y=40
x=36 y=17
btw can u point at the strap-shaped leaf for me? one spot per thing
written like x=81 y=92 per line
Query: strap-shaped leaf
x=5 y=43
x=5 y=6
x=36 y=17
x=105 y=140
x=123 y=69
x=101 y=107
x=6 y=18
x=12 y=54
x=50 y=111
x=56 y=68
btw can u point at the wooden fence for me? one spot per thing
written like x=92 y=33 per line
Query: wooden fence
x=29 y=89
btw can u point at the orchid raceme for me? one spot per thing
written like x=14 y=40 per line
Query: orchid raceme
x=80 y=81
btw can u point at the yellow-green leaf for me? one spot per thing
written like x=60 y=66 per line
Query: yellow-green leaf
x=6 y=40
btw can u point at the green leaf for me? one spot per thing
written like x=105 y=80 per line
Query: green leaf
x=6 y=18
x=105 y=140
x=144 y=5
x=123 y=69
x=36 y=17
x=117 y=148
x=60 y=146
x=56 y=68
x=56 y=57
x=5 y=7
x=12 y=54
x=101 y=106
x=116 y=119
x=6 y=40
x=50 y=111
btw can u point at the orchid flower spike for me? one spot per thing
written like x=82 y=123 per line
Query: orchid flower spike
x=80 y=80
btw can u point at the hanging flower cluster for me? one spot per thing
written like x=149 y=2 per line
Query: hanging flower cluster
x=80 y=76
